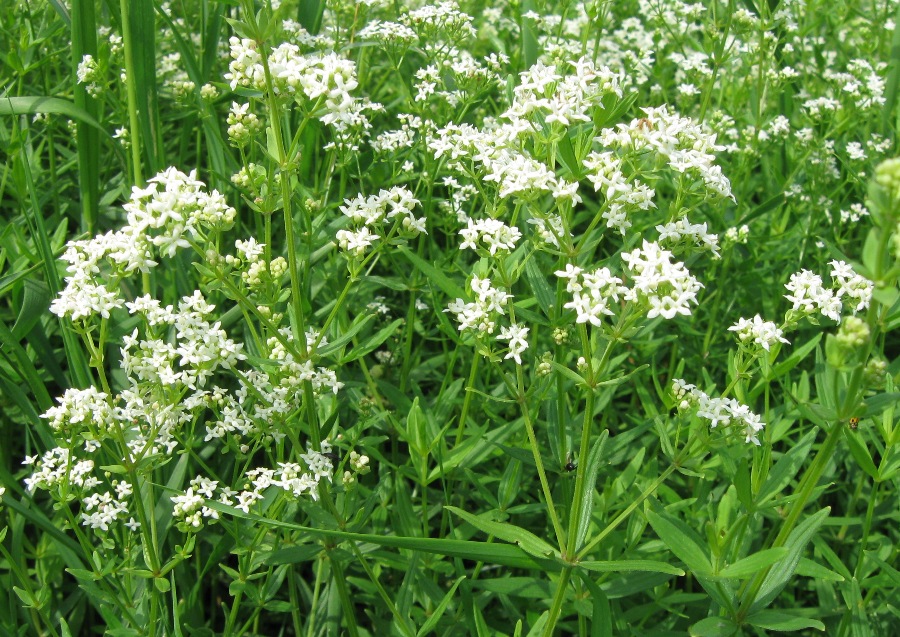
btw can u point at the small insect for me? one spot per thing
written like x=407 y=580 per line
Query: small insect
x=854 y=422
x=645 y=124
x=569 y=466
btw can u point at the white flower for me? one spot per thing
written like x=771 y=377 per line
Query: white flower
x=515 y=334
x=763 y=333
x=851 y=285
x=668 y=288
x=492 y=234
x=718 y=411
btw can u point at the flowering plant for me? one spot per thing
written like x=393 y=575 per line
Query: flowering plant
x=450 y=319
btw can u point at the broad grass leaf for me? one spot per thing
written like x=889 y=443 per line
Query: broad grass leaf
x=354 y=329
x=797 y=355
x=371 y=343
x=601 y=619
x=543 y=293
x=783 y=621
x=528 y=587
x=438 y=612
x=626 y=566
x=749 y=565
x=786 y=468
x=34 y=104
x=489 y=553
x=588 y=486
x=860 y=453
x=783 y=570
x=433 y=274
x=713 y=627
x=528 y=541
x=808 y=568
x=681 y=540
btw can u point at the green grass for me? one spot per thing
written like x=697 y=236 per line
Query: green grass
x=572 y=494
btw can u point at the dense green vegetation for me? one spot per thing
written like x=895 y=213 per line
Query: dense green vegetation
x=369 y=318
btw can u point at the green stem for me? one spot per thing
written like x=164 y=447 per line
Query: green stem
x=558 y=599
x=628 y=511
x=470 y=384
x=807 y=485
x=404 y=626
x=867 y=527
x=131 y=91
x=535 y=450
x=285 y=166
x=317 y=587
x=340 y=583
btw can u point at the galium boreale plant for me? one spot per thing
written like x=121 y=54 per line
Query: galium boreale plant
x=545 y=197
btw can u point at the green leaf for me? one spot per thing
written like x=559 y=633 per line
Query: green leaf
x=783 y=621
x=713 y=627
x=310 y=15
x=860 y=453
x=568 y=373
x=354 y=329
x=35 y=302
x=439 y=611
x=749 y=565
x=370 y=344
x=162 y=584
x=797 y=355
x=528 y=37
x=786 y=468
x=781 y=571
x=601 y=619
x=588 y=486
x=626 y=566
x=294 y=554
x=489 y=553
x=528 y=541
x=543 y=293
x=681 y=540
x=33 y=104
x=278 y=606
x=433 y=274
x=527 y=587
x=878 y=403
x=809 y=568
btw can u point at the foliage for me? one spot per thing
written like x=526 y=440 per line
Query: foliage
x=370 y=318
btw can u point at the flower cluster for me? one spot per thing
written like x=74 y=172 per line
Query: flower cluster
x=88 y=73
x=199 y=347
x=479 y=315
x=623 y=195
x=256 y=272
x=684 y=144
x=809 y=295
x=757 y=332
x=162 y=217
x=562 y=98
x=592 y=292
x=490 y=234
x=366 y=213
x=323 y=82
x=667 y=288
x=100 y=510
x=718 y=411
x=242 y=125
x=58 y=470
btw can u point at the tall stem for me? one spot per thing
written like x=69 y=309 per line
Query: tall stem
x=536 y=452
x=807 y=485
x=131 y=91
